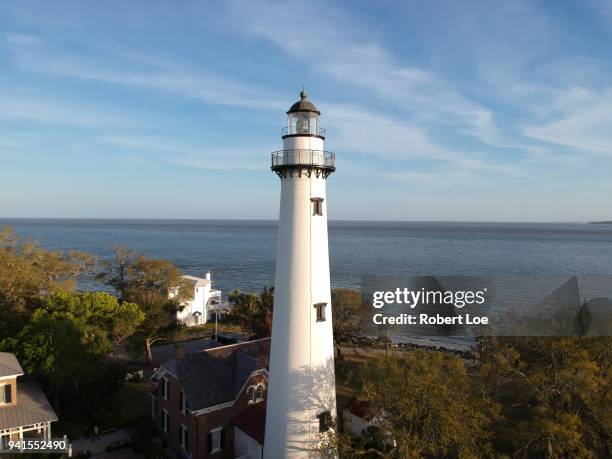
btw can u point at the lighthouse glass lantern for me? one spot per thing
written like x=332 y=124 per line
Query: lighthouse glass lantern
x=303 y=118
x=303 y=123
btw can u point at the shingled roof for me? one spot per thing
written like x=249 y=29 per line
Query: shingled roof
x=9 y=365
x=32 y=407
x=215 y=376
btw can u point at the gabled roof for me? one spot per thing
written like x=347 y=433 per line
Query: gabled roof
x=9 y=365
x=252 y=421
x=196 y=281
x=215 y=376
x=32 y=407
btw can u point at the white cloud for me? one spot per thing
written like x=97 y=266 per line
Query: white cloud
x=586 y=127
x=125 y=67
x=42 y=109
x=335 y=49
x=22 y=39
x=190 y=156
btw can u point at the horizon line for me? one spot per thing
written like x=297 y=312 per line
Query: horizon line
x=176 y=219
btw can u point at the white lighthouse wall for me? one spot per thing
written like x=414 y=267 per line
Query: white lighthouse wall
x=302 y=383
x=302 y=143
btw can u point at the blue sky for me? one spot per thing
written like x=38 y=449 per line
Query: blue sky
x=445 y=110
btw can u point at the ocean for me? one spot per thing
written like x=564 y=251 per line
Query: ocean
x=241 y=254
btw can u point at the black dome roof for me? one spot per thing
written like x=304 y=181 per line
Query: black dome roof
x=303 y=105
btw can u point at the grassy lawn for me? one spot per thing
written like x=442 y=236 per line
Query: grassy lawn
x=206 y=330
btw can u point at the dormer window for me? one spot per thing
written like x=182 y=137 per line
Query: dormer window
x=259 y=393
x=251 y=394
x=317 y=206
x=320 y=307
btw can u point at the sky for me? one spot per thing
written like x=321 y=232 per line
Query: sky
x=442 y=110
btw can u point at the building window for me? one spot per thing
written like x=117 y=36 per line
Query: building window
x=259 y=393
x=182 y=404
x=6 y=394
x=325 y=421
x=320 y=307
x=165 y=389
x=155 y=406
x=216 y=440
x=184 y=437
x=251 y=394
x=165 y=421
x=317 y=206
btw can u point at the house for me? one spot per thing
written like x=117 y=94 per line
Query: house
x=205 y=300
x=361 y=418
x=25 y=412
x=211 y=403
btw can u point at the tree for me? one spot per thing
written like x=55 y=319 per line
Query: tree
x=347 y=316
x=53 y=350
x=428 y=405
x=156 y=286
x=100 y=316
x=254 y=312
x=28 y=273
x=557 y=392
x=69 y=335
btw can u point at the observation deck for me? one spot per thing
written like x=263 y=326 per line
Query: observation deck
x=298 y=163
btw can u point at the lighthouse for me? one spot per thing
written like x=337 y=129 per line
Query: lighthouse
x=302 y=392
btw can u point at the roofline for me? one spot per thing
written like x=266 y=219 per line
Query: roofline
x=234 y=344
x=16 y=375
x=304 y=111
x=161 y=366
x=232 y=402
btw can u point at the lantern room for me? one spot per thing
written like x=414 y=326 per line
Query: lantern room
x=303 y=119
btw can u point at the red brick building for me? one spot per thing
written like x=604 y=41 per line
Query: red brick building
x=211 y=404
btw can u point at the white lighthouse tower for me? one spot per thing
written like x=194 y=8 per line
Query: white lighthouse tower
x=302 y=391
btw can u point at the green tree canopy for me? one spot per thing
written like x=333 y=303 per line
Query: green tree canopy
x=254 y=312
x=156 y=286
x=28 y=272
x=102 y=317
x=428 y=405
x=67 y=339
x=557 y=394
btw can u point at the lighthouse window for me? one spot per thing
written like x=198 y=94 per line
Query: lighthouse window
x=325 y=421
x=320 y=307
x=317 y=206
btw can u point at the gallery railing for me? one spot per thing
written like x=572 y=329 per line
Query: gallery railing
x=294 y=130
x=312 y=158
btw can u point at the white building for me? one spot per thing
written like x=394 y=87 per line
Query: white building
x=361 y=418
x=200 y=309
x=302 y=394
